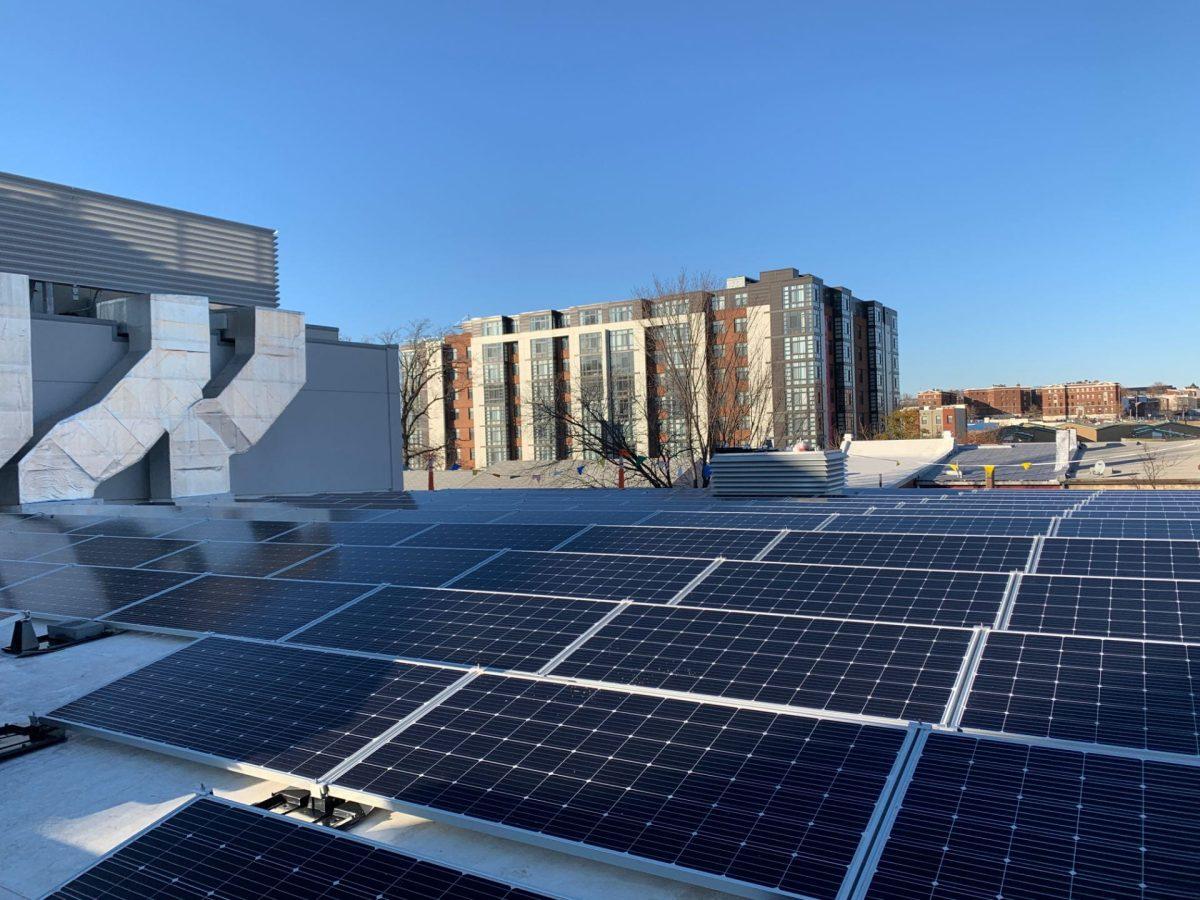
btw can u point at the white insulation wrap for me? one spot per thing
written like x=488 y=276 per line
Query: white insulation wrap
x=16 y=366
x=145 y=396
x=246 y=403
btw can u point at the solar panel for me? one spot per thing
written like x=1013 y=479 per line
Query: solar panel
x=243 y=607
x=87 y=592
x=989 y=819
x=114 y=551
x=651 y=579
x=416 y=566
x=1124 y=693
x=434 y=516
x=914 y=596
x=1169 y=529
x=215 y=848
x=871 y=668
x=129 y=526
x=1108 y=607
x=707 y=543
x=910 y=524
x=1121 y=558
x=494 y=537
x=976 y=553
x=231 y=558
x=502 y=631
x=44 y=524
x=778 y=801
x=769 y=521
x=27 y=545
x=572 y=517
x=367 y=534
x=280 y=708
x=12 y=571
x=233 y=530
x=1136 y=512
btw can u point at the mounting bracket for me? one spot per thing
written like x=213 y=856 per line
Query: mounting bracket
x=26 y=641
x=327 y=810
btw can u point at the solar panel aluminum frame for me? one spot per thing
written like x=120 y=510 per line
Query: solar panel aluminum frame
x=856 y=888
x=643 y=864
x=1007 y=601
x=695 y=582
x=966 y=678
x=316 y=784
x=291 y=820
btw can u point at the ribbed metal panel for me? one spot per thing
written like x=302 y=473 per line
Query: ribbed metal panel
x=51 y=232
x=779 y=474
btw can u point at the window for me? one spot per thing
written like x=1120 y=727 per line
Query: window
x=739 y=300
x=740 y=349
x=542 y=322
x=541 y=347
x=718 y=327
x=589 y=343
x=620 y=314
x=718 y=351
x=589 y=317
x=743 y=373
x=739 y=325
x=717 y=303
x=493 y=327
x=621 y=340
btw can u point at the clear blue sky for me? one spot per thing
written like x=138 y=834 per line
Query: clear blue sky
x=1019 y=179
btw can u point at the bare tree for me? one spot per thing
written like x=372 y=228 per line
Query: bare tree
x=1152 y=466
x=426 y=371
x=710 y=384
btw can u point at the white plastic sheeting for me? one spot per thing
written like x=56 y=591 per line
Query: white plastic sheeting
x=146 y=396
x=16 y=366
x=246 y=403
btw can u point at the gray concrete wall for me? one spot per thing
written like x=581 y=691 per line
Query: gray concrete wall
x=342 y=432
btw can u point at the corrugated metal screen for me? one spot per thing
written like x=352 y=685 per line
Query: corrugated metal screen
x=51 y=232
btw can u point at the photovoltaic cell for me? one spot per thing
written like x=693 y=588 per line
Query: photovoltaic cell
x=502 y=631
x=986 y=819
x=241 y=607
x=574 y=517
x=1120 y=558
x=877 y=669
x=650 y=579
x=417 y=566
x=87 y=592
x=707 y=543
x=282 y=708
x=913 y=596
x=231 y=558
x=367 y=534
x=970 y=553
x=114 y=551
x=768 y=521
x=911 y=524
x=1108 y=607
x=1124 y=693
x=494 y=537
x=214 y=848
x=1171 y=529
x=775 y=800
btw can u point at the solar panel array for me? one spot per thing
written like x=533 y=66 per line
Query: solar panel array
x=895 y=694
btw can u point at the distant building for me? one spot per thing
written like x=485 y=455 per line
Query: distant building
x=1083 y=399
x=1000 y=400
x=792 y=359
x=938 y=397
x=935 y=420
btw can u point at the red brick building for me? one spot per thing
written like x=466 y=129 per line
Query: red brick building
x=937 y=419
x=1000 y=400
x=1092 y=399
x=938 y=397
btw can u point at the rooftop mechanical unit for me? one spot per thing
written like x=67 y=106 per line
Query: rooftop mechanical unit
x=779 y=473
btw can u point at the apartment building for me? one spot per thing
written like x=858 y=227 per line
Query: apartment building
x=1000 y=400
x=1091 y=399
x=778 y=358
